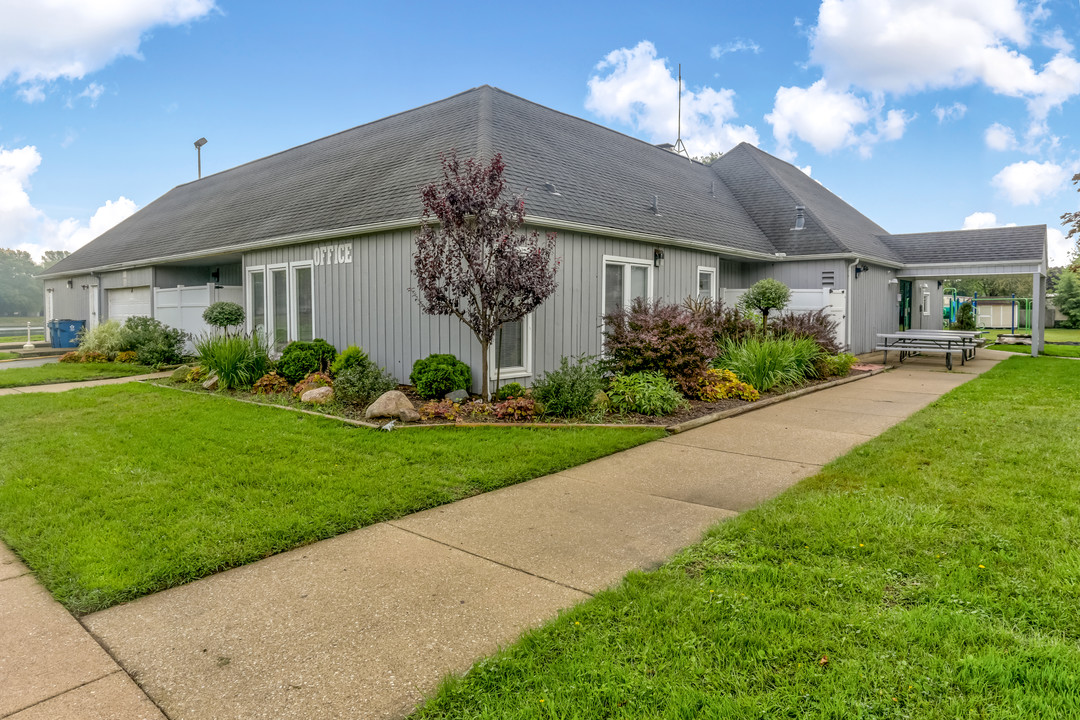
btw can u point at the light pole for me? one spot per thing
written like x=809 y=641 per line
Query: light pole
x=198 y=146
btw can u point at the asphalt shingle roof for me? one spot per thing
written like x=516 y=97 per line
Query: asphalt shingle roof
x=745 y=201
x=1024 y=243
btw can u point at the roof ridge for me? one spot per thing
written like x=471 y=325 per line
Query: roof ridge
x=967 y=230
x=795 y=198
x=334 y=134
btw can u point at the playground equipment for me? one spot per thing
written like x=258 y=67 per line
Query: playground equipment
x=994 y=312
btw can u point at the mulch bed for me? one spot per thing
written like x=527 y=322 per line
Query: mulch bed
x=696 y=409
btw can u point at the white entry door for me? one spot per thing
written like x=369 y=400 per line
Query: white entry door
x=92 y=303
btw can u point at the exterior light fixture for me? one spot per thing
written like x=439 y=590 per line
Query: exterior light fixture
x=860 y=269
x=198 y=147
x=658 y=257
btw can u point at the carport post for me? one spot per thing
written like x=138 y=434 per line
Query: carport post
x=1038 y=317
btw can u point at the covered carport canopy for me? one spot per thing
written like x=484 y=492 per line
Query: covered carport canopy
x=978 y=253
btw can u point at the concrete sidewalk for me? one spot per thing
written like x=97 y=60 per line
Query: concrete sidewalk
x=62 y=387
x=365 y=624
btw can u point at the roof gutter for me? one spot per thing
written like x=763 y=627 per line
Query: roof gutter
x=570 y=225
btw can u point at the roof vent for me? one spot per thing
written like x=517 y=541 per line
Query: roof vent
x=550 y=187
x=800 y=217
x=656 y=205
x=712 y=188
x=666 y=146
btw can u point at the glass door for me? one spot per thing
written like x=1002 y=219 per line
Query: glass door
x=905 y=304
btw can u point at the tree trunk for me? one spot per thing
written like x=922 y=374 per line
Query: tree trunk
x=484 y=365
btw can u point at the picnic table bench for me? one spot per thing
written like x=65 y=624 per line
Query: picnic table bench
x=913 y=342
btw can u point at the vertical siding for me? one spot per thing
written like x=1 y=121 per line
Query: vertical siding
x=135 y=277
x=802 y=274
x=170 y=276
x=875 y=308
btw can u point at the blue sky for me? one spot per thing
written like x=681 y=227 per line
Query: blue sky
x=923 y=114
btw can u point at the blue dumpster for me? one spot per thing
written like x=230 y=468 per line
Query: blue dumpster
x=66 y=334
x=54 y=336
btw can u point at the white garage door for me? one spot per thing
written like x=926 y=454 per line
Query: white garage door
x=128 y=302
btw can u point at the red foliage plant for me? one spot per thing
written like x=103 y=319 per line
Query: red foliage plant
x=658 y=337
x=470 y=261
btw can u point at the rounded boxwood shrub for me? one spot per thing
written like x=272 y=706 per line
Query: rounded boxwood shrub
x=350 y=358
x=300 y=359
x=510 y=390
x=438 y=374
x=223 y=315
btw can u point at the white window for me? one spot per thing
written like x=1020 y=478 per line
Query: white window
x=625 y=280
x=281 y=302
x=256 y=300
x=302 y=302
x=511 y=350
x=706 y=283
x=925 y=303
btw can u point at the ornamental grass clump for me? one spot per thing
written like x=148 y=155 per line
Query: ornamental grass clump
x=238 y=360
x=571 y=390
x=658 y=337
x=768 y=363
x=645 y=393
x=107 y=339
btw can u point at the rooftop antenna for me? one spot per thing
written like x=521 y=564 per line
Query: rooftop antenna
x=680 y=148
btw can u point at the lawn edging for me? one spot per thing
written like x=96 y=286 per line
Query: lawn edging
x=732 y=412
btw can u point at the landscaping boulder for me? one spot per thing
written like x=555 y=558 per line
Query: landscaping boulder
x=601 y=400
x=211 y=383
x=389 y=405
x=180 y=374
x=457 y=396
x=409 y=415
x=319 y=395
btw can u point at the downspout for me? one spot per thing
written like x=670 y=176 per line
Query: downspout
x=850 y=302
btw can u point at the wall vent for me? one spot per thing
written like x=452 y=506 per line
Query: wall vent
x=828 y=278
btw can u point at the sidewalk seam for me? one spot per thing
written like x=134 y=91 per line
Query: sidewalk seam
x=63 y=692
x=490 y=560
x=120 y=667
x=765 y=457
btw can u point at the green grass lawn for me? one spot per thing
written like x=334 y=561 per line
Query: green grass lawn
x=933 y=572
x=8 y=321
x=34 y=337
x=115 y=492
x=1051 y=350
x=7 y=355
x=66 y=372
x=1052 y=334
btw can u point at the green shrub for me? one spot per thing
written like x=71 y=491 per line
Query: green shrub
x=965 y=317
x=300 y=359
x=510 y=390
x=107 y=339
x=223 y=315
x=126 y=356
x=570 y=390
x=362 y=383
x=646 y=393
x=839 y=365
x=771 y=362
x=350 y=358
x=197 y=374
x=238 y=360
x=765 y=295
x=436 y=375
x=154 y=343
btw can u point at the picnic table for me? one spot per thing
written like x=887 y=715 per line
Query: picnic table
x=914 y=342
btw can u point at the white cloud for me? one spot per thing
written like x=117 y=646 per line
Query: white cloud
x=24 y=227
x=952 y=112
x=635 y=87
x=31 y=94
x=978 y=220
x=45 y=41
x=906 y=46
x=1058 y=248
x=738 y=45
x=999 y=137
x=92 y=92
x=830 y=120
x=1027 y=183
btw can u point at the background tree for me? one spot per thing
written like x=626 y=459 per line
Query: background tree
x=51 y=257
x=20 y=292
x=1067 y=297
x=766 y=295
x=470 y=261
x=1071 y=221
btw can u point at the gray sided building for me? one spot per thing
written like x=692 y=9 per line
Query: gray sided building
x=317 y=241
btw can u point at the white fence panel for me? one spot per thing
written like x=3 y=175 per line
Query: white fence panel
x=834 y=300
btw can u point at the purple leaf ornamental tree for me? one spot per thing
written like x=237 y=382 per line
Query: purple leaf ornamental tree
x=470 y=261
